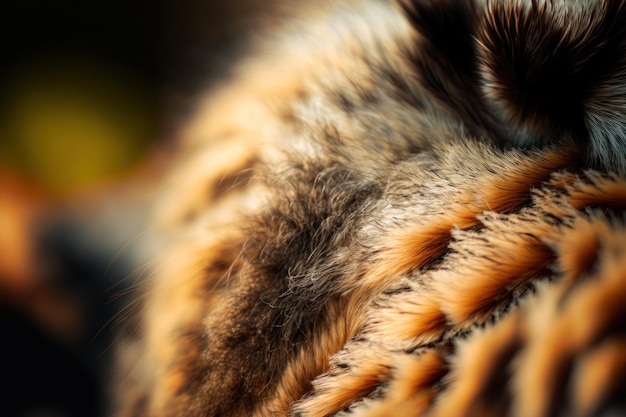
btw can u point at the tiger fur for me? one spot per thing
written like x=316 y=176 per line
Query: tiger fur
x=412 y=209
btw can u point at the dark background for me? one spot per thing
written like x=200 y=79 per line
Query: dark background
x=88 y=90
x=149 y=58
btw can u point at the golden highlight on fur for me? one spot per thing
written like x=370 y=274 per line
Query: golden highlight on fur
x=412 y=208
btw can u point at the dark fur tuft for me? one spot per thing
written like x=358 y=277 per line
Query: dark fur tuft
x=527 y=73
x=540 y=63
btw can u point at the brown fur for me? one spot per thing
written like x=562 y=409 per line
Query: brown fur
x=414 y=209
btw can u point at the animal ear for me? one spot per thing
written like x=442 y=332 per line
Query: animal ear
x=543 y=63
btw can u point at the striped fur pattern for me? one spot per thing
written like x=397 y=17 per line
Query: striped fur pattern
x=412 y=209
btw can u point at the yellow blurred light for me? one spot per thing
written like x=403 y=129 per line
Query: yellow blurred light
x=73 y=123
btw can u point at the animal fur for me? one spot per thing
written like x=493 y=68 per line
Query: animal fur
x=410 y=209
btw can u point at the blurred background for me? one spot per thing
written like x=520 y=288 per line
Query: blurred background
x=91 y=95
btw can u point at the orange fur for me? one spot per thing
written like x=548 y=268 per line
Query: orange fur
x=407 y=210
